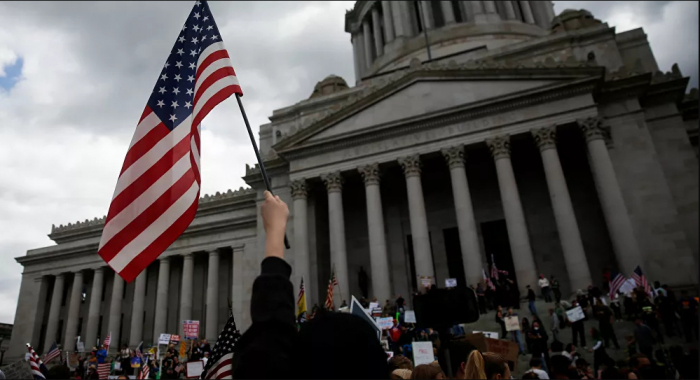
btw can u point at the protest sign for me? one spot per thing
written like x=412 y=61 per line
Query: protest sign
x=194 y=369
x=164 y=339
x=512 y=323
x=81 y=347
x=575 y=314
x=507 y=349
x=409 y=316
x=450 y=282
x=183 y=349
x=488 y=334
x=174 y=339
x=190 y=329
x=73 y=360
x=628 y=286
x=385 y=323
x=18 y=370
x=377 y=312
x=426 y=281
x=373 y=305
x=389 y=355
x=423 y=353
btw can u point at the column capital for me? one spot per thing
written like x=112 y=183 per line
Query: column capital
x=370 y=173
x=61 y=275
x=298 y=188
x=213 y=252
x=545 y=137
x=410 y=165
x=592 y=128
x=499 y=146
x=454 y=156
x=238 y=248
x=78 y=273
x=333 y=181
x=188 y=255
x=164 y=259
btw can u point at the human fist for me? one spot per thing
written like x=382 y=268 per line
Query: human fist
x=275 y=214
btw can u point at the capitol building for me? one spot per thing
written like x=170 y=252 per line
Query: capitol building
x=552 y=143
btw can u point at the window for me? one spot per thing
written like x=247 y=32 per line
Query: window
x=104 y=290
x=60 y=330
x=99 y=329
x=416 y=14
x=457 y=10
x=80 y=326
x=64 y=296
x=438 y=17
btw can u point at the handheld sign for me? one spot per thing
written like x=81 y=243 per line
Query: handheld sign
x=194 y=369
x=409 y=316
x=450 y=282
x=423 y=353
x=373 y=305
x=512 y=323
x=174 y=339
x=190 y=329
x=385 y=323
x=575 y=314
x=164 y=339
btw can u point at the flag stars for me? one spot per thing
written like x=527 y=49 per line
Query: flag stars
x=205 y=18
x=193 y=65
x=184 y=27
x=166 y=64
x=180 y=51
x=181 y=39
x=195 y=40
x=173 y=118
x=196 y=3
x=196 y=15
x=190 y=78
x=189 y=91
x=188 y=105
x=210 y=27
x=164 y=77
x=176 y=90
x=197 y=28
x=160 y=103
x=204 y=38
x=174 y=104
x=215 y=37
x=178 y=64
x=162 y=90
x=177 y=77
x=193 y=52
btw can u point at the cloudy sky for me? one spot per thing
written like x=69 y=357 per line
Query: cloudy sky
x=75 y=76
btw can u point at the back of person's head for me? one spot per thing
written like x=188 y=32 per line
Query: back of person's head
x=339 y=345
x=557 y=346
x=636 y=360
x=486 y=366
x=427 y=371
x=530 y=375
x=401 y=373
x=399 y=362
x=535 y=362
x=560 y=365
x=611 y=373
x=459 y=351
x=569 y=347
x=59 y=372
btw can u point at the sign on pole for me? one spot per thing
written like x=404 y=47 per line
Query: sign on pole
x=174 y=339
x=575 y=314
x=426 y=281
x=164 y=339
x=190 y=329
x=423 y=353
x=512 y=323
x=373 y=305
x=409 y=316
x=450 y=282
x=385 y=323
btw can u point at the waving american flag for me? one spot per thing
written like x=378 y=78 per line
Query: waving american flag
x=157 y=192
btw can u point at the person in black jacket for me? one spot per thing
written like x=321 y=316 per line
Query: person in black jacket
x=322 y=348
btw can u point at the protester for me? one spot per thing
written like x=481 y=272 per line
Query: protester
x=583 y=369
x=537 y=338
x=577 y=329
x=600 y=356
x=517 y=336
x=644 y=338
x=401 y=374
x=556 y=288
x=92 y=373
x=486 y=365
x=605 y=321
x=689 y=316
x=639 y=367
x=427 y=371
x=544 y=288
x=554 y=324
x=570 y=353
x=536 y=367
x=531 y=300
x=501 y=322
x=59 y=371
x=481 y=297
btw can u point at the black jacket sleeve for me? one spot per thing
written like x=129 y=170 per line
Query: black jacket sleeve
x=266 y=349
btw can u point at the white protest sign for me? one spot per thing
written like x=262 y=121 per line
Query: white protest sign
x=423 y=353
x=81 y=347
x=450 y=282
x=373 y=305
x=512 y=323
x=164 y=339
x=575 y=314
x=194 y=369
x=426 y=281
x=389 y=355
x=628 y=286
x=409 y=316
x=385 y=323
x=488 y=334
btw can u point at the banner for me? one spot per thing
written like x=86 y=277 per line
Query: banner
x=450 y=282
x=409 y=316
x=575 y=314
x=175 y=339
x=183 y=349
x=194 y=369
x=164 y=339
x=512 y=323
x=81 y=347
x=18 y=370
x=385 y=323
x=423 y=353
x=190 y=329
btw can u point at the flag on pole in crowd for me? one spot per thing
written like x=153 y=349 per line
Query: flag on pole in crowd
x=219 y=364
x=34 y=363
x=143 y=373
x=335 y=279
x=139 y=349
x=329 y=298
x=157 y=192
x=103 y=370
x=108 y=340
x=641 y=280
x=53 y=353
x=617 y=279
x=301 y=303
x=487 y=280
x=495 y=271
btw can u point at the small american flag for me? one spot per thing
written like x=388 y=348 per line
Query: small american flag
x=615 y=284
x=157 y=192
x=108 y=340
x=487 y=280
x=495 y=271
x=34 y=362
x=329 y=298
x=53 y=353
x=640 y=279
x=103 y=370
x=219 y=365
x=143 y=373
x=335 y=280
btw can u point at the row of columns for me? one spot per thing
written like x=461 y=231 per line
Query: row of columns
x=396 y=21
x=138 y=305
x=617 y=219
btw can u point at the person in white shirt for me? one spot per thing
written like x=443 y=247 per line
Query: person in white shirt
x=544 y=286
x=536 y=367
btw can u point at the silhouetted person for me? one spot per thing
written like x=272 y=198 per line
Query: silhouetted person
x=362 y=281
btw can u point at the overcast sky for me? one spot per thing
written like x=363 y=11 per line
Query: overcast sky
x=75 y=76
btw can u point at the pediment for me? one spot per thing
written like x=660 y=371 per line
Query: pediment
x=425 y=93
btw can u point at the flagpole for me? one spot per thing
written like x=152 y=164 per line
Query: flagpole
x=334 y=279
x=257 y=154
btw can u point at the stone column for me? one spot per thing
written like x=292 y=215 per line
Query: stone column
x=161 y=319
x=399 y=24
x=388 y=22
x=527 y=12
x=422 y=251
x=468 y=236
x=613 y=205
x=524 y=264
x=367 y=34
x=378 y=257
x=237 y=284
x=73 y=312
x=212 y=328
x=427 y=15
x=54 y=311
x=186 y=289
x=115 y=312
x=569 y=235
x=477 y=7
x=93 y=319
x=301 y=236
x=357 y=56
x=490 y=7
x=336 y=223
x=136 y=333
x=377 y=28
x=510 y=11
x=447 y=12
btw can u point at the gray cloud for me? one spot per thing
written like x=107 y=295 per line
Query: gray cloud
x=89 y=67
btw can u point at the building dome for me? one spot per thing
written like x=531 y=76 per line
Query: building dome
x=386 y=35
x=329 y=85
x=571 y=19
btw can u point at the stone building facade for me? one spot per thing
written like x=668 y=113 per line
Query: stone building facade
x=553 y=145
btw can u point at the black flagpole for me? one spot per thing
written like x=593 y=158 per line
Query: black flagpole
x=268 y=186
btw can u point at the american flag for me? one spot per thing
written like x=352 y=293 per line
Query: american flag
x=301 y=303
x=640 y=279
x=616 y=282
x=495 y=271
x=329 y=297
x=103 y=370
x=487 y=280
x=157 y=192
x=108 y=341
x=219 y=365
x=53 y=353
x=335 y=280
x=143 y=373
x=34 y=362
